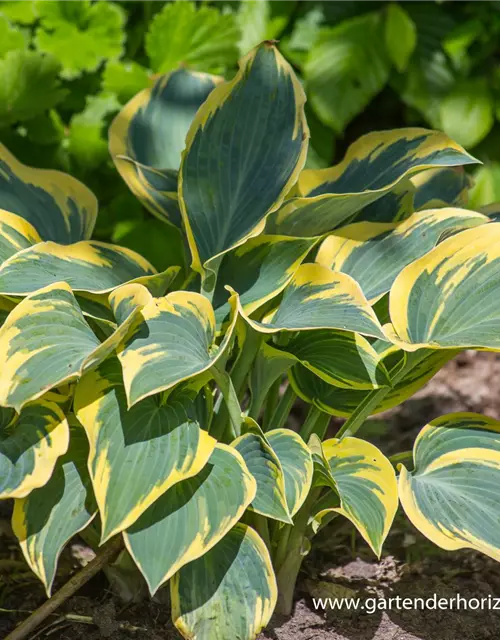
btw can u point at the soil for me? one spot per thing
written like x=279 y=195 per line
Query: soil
x=340 y=564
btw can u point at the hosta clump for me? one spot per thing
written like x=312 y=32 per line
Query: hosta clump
x=159 y=401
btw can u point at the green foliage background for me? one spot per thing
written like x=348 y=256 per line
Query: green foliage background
x=66 y=68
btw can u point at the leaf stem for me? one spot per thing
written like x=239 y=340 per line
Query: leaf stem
x=283 y=409
x=312 y=417
x=401 y=457
x=282 y=546
x=261 y=526
x=244 y=361
x=233 y=426
x=273 y=398
x=362 y=412
x=365 y=408
x=321 y=426
x=290 y=554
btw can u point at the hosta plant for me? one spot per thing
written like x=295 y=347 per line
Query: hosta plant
x=153 y=408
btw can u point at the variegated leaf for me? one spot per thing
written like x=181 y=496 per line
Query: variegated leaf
x=147 y=137
x=451 y=495
x=395 y=206
x=258 y=271
x=127 y=300
x=16 y=234
x=44 y=342
x=29 y=448
x=68 y=340
x=136 y=454
x=297 y=465
x=174 y=341
x=441 y=187
x=449 y=297
x=374 y=253
x=227 y=190
x=344 y=359
x=372 y=166
x=125 y=303
x=342 y=402
x=95 y=267
x=57 y=205
x=318 y=298
x=366 y=484
x=230 y=592
x=191 y=517
x=40 y=520
x=265 y=467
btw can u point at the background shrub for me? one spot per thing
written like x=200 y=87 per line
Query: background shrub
x=67 y=68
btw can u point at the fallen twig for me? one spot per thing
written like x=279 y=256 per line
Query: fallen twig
x=105 y=555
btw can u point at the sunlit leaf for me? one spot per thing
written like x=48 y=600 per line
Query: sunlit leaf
x=59 y=207
x=450 y=496
x=366 y=484
x=319 y=298
x=260 y=165
x=167 y=535
x=230 y=592
x=173 y=341
x=40 y=520
x=29 y=448
x=373 y=166
x=156 y=445
x=375 y=253
x=446 y=299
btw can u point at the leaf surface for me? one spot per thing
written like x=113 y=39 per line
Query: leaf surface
x=367 y=487
x=373 y=165
x=44 y=342
x=226 y=191
x=147 y=138
x=450 y=496
x=136 y=454
x=174 y=341
x=375 y=253
x=318 y=298
x=191 y=517
x=60 y=207
x=29 y=448
x=95 y=267
x=230 y=592
x=40 y=520
x=447 y=299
